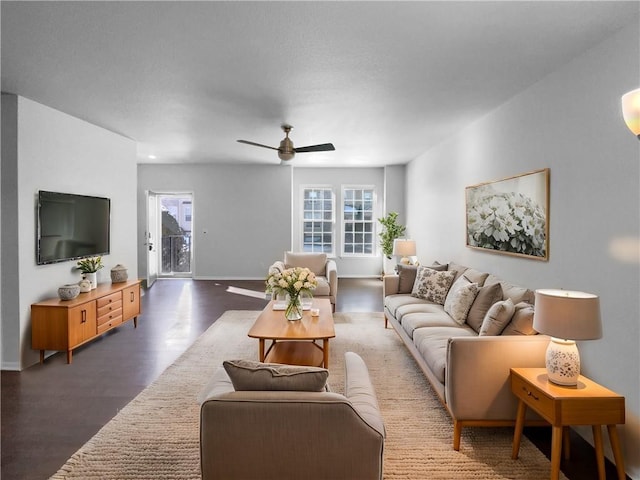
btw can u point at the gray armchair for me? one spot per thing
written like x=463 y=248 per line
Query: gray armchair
x=292 y=434
x=324 y=268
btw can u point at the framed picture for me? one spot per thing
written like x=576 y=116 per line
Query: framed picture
x=511 y=215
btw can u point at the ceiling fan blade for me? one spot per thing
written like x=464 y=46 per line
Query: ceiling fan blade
x=324 y=147
x=257 y=144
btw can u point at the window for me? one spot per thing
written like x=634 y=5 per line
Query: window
x=317 y=223
x=358 y=220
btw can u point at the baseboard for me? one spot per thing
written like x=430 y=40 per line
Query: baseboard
x=11 y=366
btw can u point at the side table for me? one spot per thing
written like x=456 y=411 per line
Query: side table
x=585 y=404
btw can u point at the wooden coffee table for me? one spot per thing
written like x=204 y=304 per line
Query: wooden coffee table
x=294 y=342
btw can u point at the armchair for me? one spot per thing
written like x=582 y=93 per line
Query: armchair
x=324 y=268
x=292 y=434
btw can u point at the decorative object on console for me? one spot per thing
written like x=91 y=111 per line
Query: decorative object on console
x=631 y=111
x=566 y=316
x=119 y=274
x=69 y=291
x=510 y=215
x=85 y=285
x=292 y=282
x=404 y=248
x=89 y=267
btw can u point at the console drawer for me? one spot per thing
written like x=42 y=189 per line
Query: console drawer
x=107 y=299
x=112 y=316
x=110 y=307
x=109 y=324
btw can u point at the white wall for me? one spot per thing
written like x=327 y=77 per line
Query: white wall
x=570 y=122
x=245 y=210
x=336 y=178
x=61 y=153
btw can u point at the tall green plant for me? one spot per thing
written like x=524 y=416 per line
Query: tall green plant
x=391 y=230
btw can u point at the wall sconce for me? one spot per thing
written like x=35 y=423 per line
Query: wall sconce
x=566 y=316
x=631 y=111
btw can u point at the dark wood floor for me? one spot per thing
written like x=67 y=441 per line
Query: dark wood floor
x=51 y=410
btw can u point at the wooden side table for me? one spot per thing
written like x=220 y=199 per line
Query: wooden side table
x=585 y=404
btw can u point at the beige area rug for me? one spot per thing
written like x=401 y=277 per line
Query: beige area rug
x=156 y=435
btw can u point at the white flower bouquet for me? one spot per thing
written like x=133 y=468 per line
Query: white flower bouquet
x=293 y=282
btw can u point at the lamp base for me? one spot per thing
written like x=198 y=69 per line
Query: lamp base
x=405 y=261
x=563 y=362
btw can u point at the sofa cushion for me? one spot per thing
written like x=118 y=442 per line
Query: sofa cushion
x=409 y=308
x=497 y=317
x=487 y=296
x=460 y=298
x=316 y=262
x=432 y=344
x=413 y=321
x=522 y=321
x=406 y=277
x=250 y=375
x=432 y=285
x=516 y=293
x=393 y=302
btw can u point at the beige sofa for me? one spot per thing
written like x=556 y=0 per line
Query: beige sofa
x=292 y=434
x=324 y=268
x=469 y=372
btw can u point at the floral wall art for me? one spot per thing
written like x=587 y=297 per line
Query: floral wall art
x=511 y=215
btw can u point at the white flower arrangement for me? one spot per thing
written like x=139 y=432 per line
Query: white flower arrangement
x=510 y=222
x=292 y=281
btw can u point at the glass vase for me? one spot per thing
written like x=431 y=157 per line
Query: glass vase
x=294 y=308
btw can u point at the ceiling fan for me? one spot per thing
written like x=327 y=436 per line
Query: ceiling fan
x=286 y=150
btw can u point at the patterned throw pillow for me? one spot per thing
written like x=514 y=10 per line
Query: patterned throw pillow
x=460 y=298
x=497 y=317
x=432 y=285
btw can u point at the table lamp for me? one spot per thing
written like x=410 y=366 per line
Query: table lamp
x=404 y=248
x=566 y=316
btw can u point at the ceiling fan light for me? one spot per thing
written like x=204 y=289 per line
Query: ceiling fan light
x=285 y=155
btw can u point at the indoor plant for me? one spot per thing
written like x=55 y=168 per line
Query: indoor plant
x=89 y=267
x=391 y=230
x=292 y=282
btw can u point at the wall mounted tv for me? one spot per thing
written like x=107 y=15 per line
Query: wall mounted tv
x=71 y=226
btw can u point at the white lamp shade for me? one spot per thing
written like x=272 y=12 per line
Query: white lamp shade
x=567 y=314
x=404 y=248
x=631 y=110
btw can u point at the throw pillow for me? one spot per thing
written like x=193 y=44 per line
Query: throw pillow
x=522 y=321
x=497 y=317
x=460 y=298
x=486 y=297
x=250 y=375
x=406 y=277
x=432 y=285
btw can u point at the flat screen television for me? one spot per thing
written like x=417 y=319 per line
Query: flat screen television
x=70 y=227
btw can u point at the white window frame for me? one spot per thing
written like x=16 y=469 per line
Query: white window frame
x=373 y=222
x=323 y=187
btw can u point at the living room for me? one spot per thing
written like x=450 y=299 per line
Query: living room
x=568 y=120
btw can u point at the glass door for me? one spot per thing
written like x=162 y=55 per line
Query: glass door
x=176 y=222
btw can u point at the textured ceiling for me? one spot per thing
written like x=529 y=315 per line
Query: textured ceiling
x=383 y=81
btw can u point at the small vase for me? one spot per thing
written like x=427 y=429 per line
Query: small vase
x=294 y=309
x=93 y=278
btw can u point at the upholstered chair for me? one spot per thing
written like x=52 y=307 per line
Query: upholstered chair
x=283 y=434
x=323 y=267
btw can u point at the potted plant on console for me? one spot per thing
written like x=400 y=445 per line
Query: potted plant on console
x=89 y=268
